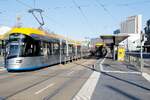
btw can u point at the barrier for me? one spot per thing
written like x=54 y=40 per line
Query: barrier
x=142 y=64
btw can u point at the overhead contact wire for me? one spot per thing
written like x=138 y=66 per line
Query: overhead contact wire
x=84 y=16
x=105 y=9
x=24 y=4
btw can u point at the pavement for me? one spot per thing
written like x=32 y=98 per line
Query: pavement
x=109 y=80
x=146 y=67
x=121 y=81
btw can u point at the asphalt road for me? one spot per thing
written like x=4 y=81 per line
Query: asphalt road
x=59 y=82
x=110 y=80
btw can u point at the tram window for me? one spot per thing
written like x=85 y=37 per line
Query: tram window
x=37 y=48
x=51 y=48
x=70 y=48
x=64 y=49
x=78 y=49
x=25 y=47
x=33 y=48
x=73 y=49
x=56 y=48
x=29 y=49
x=41 y=48
x=48 y=48
x=45 y=48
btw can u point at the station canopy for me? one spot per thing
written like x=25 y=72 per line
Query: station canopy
x=115 y=39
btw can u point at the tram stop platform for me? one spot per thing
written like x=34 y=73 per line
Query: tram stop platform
x=120 y=81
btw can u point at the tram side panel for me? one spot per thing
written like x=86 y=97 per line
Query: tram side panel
x=24 y=55
x=27 y=53
x=31 y=54
x=78 y=51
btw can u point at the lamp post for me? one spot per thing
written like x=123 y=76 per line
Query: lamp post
x=60 y=52
x=141 y=49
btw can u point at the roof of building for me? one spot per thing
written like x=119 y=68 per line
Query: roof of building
x=116 y=38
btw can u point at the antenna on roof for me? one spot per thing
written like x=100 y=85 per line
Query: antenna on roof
x=33 y=11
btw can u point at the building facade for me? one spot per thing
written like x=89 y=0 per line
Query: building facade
x=133 y=24
x=147 y=34
x=117 y=31
x=3 y=30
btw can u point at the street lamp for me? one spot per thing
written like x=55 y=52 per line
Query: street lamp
x=141 y=49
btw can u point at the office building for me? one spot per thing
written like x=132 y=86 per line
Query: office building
x=133 y=24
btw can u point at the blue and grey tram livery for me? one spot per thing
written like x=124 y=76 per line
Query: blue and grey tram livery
x=29 y=49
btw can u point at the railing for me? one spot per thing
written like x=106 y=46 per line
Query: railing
x=140 y=63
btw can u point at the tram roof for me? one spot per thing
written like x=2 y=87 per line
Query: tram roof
x=27 y=31
x=37 y=33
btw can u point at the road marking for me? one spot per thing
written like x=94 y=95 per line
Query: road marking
x=121 y=72
x=101 y=66
x=146 y=64
x=70 y=73
x=88 y=88
x=50 y=85
x=146 y=76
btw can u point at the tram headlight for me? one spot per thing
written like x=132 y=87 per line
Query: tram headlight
x=18 y=61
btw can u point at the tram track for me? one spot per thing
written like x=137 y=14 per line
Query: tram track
x=41 y=81
x=64 y=85
x=19 y=74
x=82 y=75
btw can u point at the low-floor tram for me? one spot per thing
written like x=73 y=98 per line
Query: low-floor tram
x=29 y=49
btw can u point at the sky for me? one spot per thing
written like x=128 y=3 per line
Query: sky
x=77 y=19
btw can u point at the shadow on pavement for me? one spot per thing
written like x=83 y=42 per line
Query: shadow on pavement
x=114 y=67
x=132 y=83
x=109 y=57
x=122 y=92
x=131 y=66
x=86 y=66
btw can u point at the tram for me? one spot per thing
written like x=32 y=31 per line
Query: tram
x=99 y=50
x=30 y=49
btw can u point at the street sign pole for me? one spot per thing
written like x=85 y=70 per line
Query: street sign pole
x=141 y=50
x=60 y=50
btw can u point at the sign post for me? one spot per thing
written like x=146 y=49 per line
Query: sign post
x=141 y=50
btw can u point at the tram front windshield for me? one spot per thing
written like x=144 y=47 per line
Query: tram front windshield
x=20 y=45
x=14 y=49
x=15 y=45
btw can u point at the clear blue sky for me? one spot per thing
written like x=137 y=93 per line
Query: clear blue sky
x=64 y=17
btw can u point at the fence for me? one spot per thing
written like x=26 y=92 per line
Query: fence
x=141 y=64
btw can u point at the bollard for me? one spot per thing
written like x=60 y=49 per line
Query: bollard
x=93 y=67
